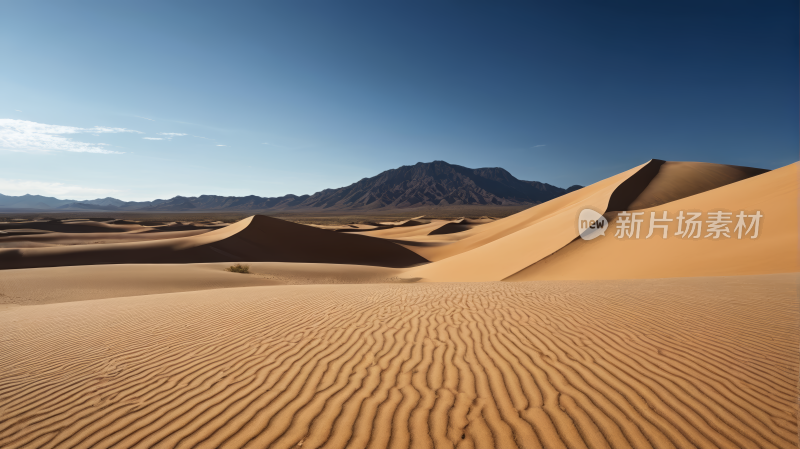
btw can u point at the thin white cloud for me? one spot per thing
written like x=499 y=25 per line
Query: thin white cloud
x=16 y=187
x=537 y=146
x=26 y=136
x=144 y=118
x=222 y=145
x=153 y=138
x=169 y=136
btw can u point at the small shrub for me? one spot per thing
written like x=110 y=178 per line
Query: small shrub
x=238 y=268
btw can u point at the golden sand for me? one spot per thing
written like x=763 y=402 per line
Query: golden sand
x=116 y=335
x=698 y=362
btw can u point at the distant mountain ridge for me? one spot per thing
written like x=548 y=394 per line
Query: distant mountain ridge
x=436 y=183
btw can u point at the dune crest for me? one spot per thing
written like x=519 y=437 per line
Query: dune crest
x=677 y=180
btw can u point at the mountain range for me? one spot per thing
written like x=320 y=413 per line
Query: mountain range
x=436 y=183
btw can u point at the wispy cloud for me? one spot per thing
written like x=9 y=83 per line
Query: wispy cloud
x=537 y=146
x=222 y=145
x=168 y=136
x=16 y=187
x=144 y=118
x=153 y=138
x=23 y=135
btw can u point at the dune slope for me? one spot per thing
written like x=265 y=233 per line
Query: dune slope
x=708 y=363
x=500 y=249
x=775 y=250
x=254 y=239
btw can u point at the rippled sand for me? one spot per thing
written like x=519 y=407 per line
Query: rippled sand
x=695 y=362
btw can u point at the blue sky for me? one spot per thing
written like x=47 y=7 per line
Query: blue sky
x=270 y=98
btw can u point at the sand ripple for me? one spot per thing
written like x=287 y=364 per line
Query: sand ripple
x=701 y=362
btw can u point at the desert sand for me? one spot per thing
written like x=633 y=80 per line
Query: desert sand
x=550 y=364
x=31 y=286
x=424 y=332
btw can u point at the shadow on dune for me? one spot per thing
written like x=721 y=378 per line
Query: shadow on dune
x=660 y=182
x=254 y=239
x=452 y=228
x=70 y=228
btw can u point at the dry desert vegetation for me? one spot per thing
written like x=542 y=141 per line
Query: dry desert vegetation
x=414 y=331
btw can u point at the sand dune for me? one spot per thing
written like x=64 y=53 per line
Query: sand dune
x=255 y=239
x=498 y=250
x=415 y=221
x=424 y=236
x=70 y=227
x=411 y=229
x=40 y=240
x=33 y=286
x=43 y=233
x=407 y=232
x=458 y=226
x=708 y=363
x=774 y=194
x=421 y=230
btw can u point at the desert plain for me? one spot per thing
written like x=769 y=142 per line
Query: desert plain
x=420 y=332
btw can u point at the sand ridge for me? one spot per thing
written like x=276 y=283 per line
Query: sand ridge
x=677 y=180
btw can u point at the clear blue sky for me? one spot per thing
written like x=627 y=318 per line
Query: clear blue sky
x=306 y=95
